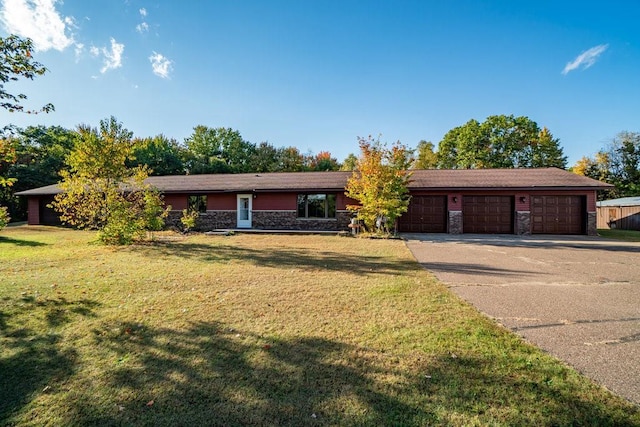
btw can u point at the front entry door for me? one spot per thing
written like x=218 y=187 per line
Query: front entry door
x=244 y=210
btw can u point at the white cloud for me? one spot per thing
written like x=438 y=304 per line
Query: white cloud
x=38 y=20
x=94 y=51
x=142 y=27
x=112 y=57
x=78 y=50
x=161 y=65
x=586 y=59
x=143 y=12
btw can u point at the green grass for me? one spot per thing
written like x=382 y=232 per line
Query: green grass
x=626 y=235
x=262 y=330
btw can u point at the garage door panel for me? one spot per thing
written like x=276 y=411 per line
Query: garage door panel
x=487 y=214
x=558 y=215
x=426 y=214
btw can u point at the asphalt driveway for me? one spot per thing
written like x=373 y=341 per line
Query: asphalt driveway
x=577 y=298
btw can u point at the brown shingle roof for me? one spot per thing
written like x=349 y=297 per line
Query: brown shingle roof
x=432 y=179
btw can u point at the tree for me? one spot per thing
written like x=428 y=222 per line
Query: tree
x=323 y=161
x=500 y=142
x=7 y=156
x=163 y=156
x=350 y=163
x=380 y=184
x=264 y=158
x=290 y=160
x=618 y=163
x=426 y=158
x=218 y=150
x=39 y=156
x=16 y=62
x=101 y=192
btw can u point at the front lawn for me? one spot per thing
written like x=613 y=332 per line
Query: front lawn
x=261 y=330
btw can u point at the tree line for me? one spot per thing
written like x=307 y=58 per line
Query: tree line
x=38 y=155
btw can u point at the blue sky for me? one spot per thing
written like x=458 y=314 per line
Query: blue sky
x=318 y=74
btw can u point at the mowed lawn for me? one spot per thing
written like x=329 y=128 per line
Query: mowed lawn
x=261 y=330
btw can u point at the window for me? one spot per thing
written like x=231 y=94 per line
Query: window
x=197 y=203
x=316 y=205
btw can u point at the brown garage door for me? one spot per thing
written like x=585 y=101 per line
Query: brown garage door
x=487 y=214
x=48 y=216
x=426 y=214
x=557 y=215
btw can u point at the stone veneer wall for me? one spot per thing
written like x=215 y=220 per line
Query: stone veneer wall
x=523 y=223
x=266 y=220
x=592 y=223
x=207 y=221
x=288 y=220
x=455 y=222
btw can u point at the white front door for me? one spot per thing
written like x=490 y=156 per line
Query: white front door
x=244 y=210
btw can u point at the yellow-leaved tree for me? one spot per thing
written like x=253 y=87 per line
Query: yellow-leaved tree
x=100 y=192
x=380 y=184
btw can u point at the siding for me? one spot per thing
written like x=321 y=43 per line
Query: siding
x=620 y=217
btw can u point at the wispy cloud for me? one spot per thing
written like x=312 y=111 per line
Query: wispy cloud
x=112 y=57
x=142 y=27
x=161 y=65
x=143 y=12
x=586 y=59
x=40 y=21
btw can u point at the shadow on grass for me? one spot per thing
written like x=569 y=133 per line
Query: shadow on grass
x=281 y=257
x=211 y=375
x=31 y=360
x=208 y=374
x=474 y=269
x=20 y=242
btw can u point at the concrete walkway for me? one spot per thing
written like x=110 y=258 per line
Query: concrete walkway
x=577 y=298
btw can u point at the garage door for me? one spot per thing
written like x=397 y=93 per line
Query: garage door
x=426 y=214
x=487 y=214
x=557 y=215
x=48 y=216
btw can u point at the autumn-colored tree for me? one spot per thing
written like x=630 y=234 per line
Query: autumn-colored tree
x=380 y=184
x=323 y=161
x=100 y=192
x=618 y=163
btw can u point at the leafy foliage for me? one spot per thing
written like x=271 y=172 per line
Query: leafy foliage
x=16 y=62
x=161 y=155
x=500 y=142
x=4 y=217
x=380 y=184
x=188 y=219
x=618 y=163
x=426 y=157
x=101 y=192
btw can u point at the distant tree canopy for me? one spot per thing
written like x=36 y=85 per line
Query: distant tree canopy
x=500 y=142
x=618 y=163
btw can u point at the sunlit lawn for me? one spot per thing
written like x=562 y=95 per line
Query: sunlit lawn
x=261 y=330
x=627 y=235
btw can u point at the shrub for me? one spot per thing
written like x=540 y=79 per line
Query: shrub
x=4 y=217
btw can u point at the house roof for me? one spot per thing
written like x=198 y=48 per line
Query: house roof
x=623 y=201
x=430 y=179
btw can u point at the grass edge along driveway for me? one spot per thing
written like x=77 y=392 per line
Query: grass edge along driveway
x=262 y=330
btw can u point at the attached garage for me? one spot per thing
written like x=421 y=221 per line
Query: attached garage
x=487 y=214
x=426 y=214
x=558 y=214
